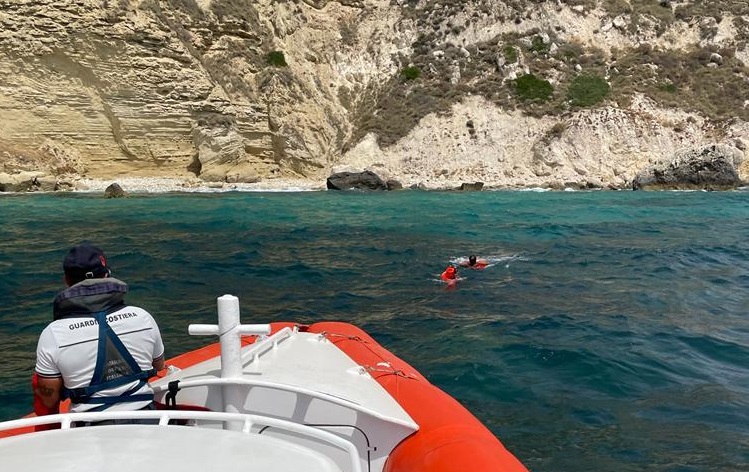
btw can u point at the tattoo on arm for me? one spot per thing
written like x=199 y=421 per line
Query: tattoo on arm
x=48 y=390
x=45 y=391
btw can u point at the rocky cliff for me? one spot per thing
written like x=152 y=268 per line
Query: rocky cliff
x=511 y=93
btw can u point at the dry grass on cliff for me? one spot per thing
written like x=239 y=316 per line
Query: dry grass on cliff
x=690 y=81
x=695 y=80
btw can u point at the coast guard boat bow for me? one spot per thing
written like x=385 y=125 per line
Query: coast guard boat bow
x=281 y=397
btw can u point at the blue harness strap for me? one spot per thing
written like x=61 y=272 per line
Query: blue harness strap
x=115 y=366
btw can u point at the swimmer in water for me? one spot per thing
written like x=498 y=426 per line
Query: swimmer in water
x=474 y=263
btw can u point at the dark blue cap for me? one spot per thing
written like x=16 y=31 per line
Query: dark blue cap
x=85 y=261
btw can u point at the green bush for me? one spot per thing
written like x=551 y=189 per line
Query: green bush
x=538 y=45
x=530 y=87
x=276 y=59
x=510 y=54
x=670 y=88
x=411 y=73
x=587 y=90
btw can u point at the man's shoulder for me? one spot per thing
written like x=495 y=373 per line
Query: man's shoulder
x=66 y=331
x=131 y=311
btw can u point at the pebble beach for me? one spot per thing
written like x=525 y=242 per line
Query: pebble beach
x=165 y=185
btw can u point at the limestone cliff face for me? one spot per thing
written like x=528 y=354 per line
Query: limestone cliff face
x=236 y=91
x=124 y=87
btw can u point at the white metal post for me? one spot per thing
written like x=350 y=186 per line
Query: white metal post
x=230 y=333
x=231 y=344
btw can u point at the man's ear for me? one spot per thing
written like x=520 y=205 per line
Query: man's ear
x=67 y=280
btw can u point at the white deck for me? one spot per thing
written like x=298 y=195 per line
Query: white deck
x=303 y=378
x=125 y=448
x=308 y=362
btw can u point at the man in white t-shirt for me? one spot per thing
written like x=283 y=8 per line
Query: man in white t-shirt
x=98 y=350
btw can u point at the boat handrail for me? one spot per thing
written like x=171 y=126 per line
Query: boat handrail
x=288 y=388
x=66 y=421
x=263 y=345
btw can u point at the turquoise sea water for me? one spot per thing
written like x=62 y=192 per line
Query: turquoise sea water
x=610 y=333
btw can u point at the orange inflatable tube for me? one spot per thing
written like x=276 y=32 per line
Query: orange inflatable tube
x=449 y=439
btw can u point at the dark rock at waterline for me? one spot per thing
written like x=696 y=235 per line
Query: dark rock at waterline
x=114 y=191
x=710 y=168
x=393 y=184
x=366 y=180
x=472 y=186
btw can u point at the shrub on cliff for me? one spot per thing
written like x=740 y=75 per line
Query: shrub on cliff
x=538 y=45
x=276 y=59
x=510 y=54
x=587 y=90
x=530 y=87
x=411 y=73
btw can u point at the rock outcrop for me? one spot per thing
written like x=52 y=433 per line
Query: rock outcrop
x=366 y=180
x=26 y=182
x=712 y=168
x=471 y=186
x=423 y=92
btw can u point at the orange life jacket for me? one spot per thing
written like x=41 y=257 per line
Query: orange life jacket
x=448 y=274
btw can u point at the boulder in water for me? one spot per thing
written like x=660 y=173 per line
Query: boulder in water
x=114 y=191
x=366 y=180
